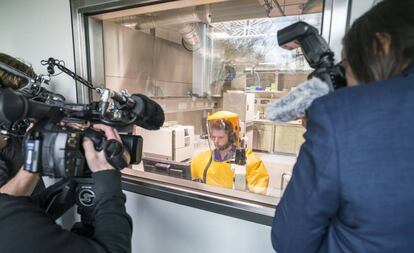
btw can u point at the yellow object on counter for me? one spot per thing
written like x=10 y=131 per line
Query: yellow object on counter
x=220 y=173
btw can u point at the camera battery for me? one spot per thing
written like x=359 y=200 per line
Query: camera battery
x=31 y=162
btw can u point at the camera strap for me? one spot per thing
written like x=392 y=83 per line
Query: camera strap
x=206 y=169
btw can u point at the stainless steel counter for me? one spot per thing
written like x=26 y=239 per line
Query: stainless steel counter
x=243 y=205
x=290 y=123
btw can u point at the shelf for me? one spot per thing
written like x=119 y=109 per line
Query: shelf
x=185 y=104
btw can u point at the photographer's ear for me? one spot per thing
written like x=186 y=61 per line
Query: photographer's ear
x=384 y=40
x=349 y=75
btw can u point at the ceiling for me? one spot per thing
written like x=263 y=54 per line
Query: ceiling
x=215 y=13
x=250 y=9
x=229 y=10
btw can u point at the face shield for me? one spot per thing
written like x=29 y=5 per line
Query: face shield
x=223 y=133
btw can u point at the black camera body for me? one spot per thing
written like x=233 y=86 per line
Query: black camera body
x=316 y=52
x=53 y=146
x=56 y=151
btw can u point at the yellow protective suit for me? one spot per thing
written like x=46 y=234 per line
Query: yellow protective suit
x=220 y=173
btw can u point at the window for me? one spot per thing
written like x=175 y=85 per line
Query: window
x=196 y=59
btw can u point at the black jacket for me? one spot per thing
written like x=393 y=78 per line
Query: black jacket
x=25 y=227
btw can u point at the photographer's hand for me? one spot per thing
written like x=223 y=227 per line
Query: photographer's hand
x=113 y=226
x=96 y=160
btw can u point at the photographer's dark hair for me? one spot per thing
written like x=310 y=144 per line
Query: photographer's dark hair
x=363 y=49
x=10 y=80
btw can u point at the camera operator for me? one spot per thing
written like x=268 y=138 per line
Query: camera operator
x=352 y=187
x=13 y=179
x=24 y=227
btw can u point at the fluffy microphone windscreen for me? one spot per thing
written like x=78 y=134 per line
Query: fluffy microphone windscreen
x=294 y=104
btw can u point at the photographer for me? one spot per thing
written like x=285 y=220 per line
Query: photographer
x=27 y=228
x=352 y=186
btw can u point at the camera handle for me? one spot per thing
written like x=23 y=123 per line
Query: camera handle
x=115 y=153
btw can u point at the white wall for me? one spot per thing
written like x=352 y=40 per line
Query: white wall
x=161 y=226
x=33 y=30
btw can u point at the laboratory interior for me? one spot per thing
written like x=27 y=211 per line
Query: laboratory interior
x=204 y=62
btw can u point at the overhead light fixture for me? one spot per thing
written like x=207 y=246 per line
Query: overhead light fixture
x=130 y=24
x=219 y=35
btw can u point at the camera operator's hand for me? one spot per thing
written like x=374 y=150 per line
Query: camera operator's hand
x=96 y=160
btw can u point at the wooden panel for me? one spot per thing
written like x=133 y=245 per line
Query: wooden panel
x=285 y=139
x=263 y=137
x=288 y=139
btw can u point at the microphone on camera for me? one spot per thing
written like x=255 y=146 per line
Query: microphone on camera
x=294 y=104
x=150 y=114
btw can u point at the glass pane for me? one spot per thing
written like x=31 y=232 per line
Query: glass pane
x=196 y=61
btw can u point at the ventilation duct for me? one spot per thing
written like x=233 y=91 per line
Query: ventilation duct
x=191 y=39
x=181 y=20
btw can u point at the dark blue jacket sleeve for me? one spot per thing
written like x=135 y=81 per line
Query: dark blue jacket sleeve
x=311 y=199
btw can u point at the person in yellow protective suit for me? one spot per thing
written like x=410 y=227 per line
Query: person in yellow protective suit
x=213 y=166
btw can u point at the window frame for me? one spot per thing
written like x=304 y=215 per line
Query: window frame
x=89 y=63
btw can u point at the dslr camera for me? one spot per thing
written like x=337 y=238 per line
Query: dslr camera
x=316 y=52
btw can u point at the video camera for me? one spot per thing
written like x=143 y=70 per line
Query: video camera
x=316 y=52
x=53 y=145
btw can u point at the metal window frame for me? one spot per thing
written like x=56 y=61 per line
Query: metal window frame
x=89 y=63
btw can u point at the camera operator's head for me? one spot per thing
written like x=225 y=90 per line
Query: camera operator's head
x=380 y=44
x=9 y=80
